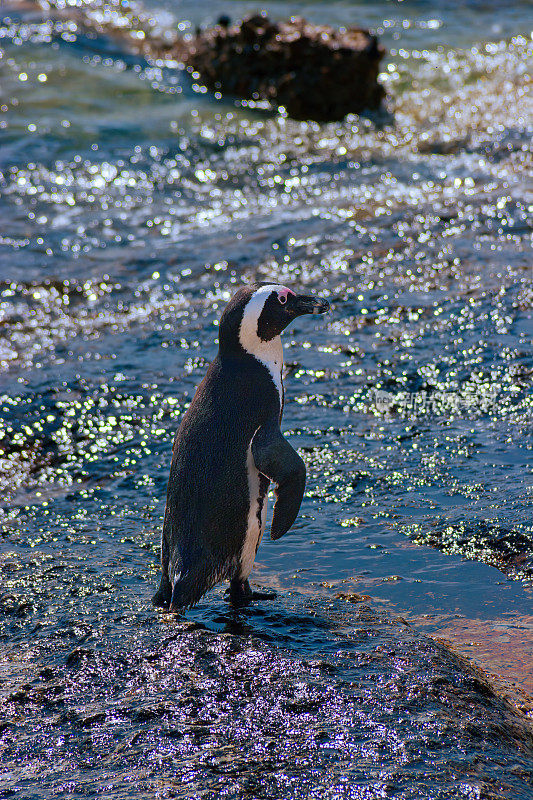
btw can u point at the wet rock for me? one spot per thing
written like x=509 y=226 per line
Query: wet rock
x=78 y=655
x=352 y=597
x=149 y=713
x=91 y=719
x=313 y=71
x=442 y=147
x=14 y=605
x=20 y=696
x=240 y=702
x=508 y=550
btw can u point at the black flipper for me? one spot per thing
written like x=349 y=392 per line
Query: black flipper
x=276 y=459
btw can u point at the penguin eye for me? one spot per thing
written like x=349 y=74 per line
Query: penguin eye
x=282 y=299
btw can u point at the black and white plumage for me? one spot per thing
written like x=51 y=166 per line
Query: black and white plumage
x=228 y=449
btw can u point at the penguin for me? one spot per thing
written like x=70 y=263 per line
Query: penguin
x=227 y=451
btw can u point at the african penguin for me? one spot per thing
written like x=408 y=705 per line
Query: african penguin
x=227 y=450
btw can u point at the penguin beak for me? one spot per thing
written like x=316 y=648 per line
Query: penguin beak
x=305 y=304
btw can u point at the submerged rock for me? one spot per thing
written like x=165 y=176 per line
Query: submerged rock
x=313 y=71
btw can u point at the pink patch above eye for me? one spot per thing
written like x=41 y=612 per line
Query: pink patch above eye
x=283 y=294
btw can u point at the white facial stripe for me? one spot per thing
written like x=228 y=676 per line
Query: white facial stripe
x=256 y=303
x=269 y=353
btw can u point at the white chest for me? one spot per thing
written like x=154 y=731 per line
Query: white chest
x=270 y=354
x=256 y=517
x=272 y=357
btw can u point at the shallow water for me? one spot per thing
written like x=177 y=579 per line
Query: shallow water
x=132 y=205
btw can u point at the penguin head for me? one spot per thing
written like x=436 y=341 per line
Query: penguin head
x=257 y=314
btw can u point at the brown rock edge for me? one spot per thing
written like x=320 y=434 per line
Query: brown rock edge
x=314 y=72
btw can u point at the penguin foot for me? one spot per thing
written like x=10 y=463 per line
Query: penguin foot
x=264 y=595
x=241 y=594
x=174 y=609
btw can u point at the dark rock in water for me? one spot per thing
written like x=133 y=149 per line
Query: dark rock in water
x=507 y=550
x=313 y=71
